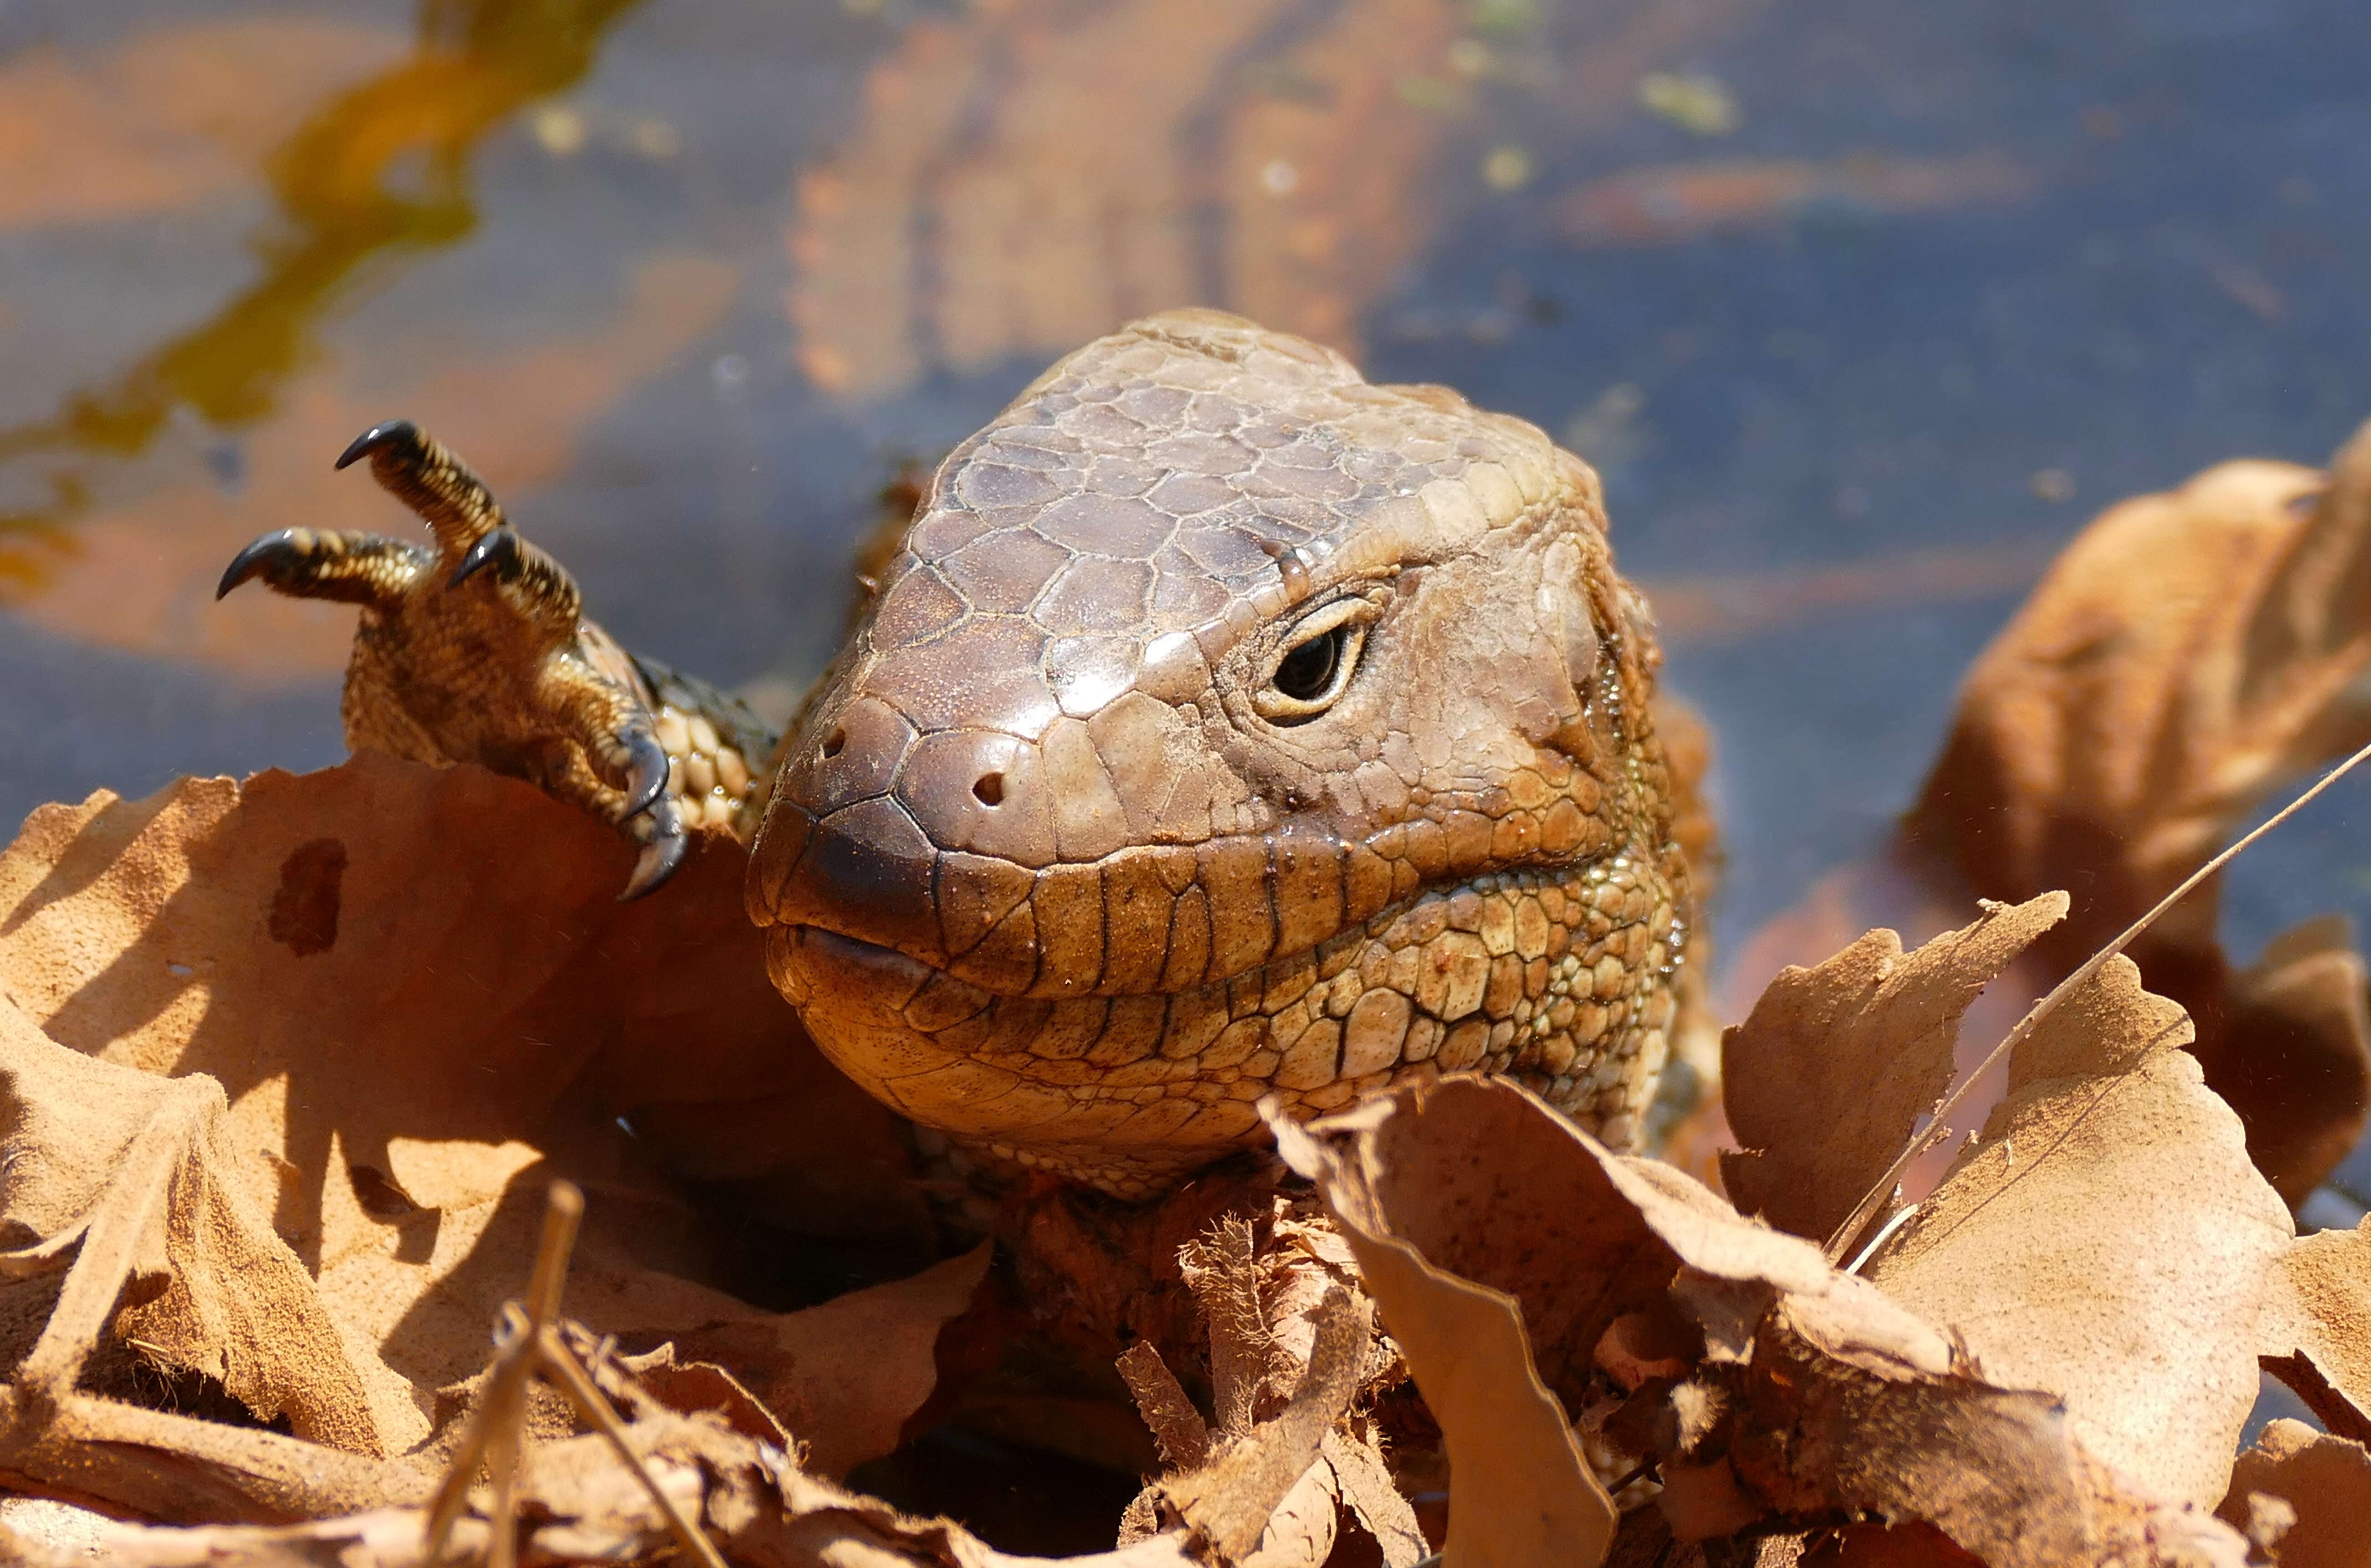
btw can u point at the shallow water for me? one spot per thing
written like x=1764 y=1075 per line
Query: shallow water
x=1861 y=309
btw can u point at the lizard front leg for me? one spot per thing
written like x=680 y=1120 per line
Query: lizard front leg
x=478 y=650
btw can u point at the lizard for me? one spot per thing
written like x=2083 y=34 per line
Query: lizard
x=1223 y=727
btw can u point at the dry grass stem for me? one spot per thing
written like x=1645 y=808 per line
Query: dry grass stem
x=495 y=1432
x=555 y=1361
x=528 y=1343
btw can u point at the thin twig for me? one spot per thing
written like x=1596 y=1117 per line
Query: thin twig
x=502 y=1469
x=1637 y=1473
x=564 y=1213
x=554 y=1359
x=528 y=1341
x=1884 y=1234
x=493 y=1432
x=1939 y=1125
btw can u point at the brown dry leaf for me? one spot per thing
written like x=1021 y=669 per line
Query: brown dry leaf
x=1222 y=1271
x=1371 y=1498
x=1851 y=1412
x=2321 y=1483
x=1482 y=1188
x=1520 y=1489
x=162 y=1466
x=659 y=1380
x=1816 y=1393
x=1267 y=1475
x=137 y=1181
x=2315 y=1336
x=1184 y=1436
x=1847 y=1402
x=423 y=1002
x=2291 y=1060
x=296 y=937
x=843 y=1377
x=2185 y=654
x=1827 y=1079
x=1294 y=1362
x=2107 y=1239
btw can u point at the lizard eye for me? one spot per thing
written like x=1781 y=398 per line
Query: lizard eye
x=1311 y=672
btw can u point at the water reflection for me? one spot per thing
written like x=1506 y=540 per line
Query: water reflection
x=1030 y=174
x=380 y=170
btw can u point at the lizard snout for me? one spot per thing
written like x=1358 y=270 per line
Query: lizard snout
x=931 y=846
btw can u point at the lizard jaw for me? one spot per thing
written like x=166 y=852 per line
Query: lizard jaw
x=1558 y=977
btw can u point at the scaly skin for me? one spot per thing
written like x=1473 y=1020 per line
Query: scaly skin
x=478 y=650
x=1077 y=852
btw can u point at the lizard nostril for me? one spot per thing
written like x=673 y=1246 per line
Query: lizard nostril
x=833 y=742
x=990 y=789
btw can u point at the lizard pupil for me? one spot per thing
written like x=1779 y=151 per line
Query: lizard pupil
x=1305 y=673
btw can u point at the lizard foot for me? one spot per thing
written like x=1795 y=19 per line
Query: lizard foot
x=478 y=650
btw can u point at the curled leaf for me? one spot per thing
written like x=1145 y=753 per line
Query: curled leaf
x=423 y=1002
x=1816 y=1393
x=2108 y=1238
x=843 y=1377
x=2290 y=1058
x=2316 y=1333
x=141 y=1181
x=1520 y=1489
x=1827 y=1079
x=2319 y=1491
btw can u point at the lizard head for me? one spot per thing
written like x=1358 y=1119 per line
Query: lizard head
x=1228 y=726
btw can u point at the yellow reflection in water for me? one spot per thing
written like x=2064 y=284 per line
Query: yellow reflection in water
x=380 y=170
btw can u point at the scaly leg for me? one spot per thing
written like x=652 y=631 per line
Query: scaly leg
x=480 y=651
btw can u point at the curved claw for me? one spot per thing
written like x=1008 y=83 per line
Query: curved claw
x=659 y=858
x=394 y=432
x=253 y=561
x=499 y=550
x=319 y=563
x=649 y=762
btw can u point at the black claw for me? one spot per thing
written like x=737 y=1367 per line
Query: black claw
x=658 y=861
x=252 y=561
x=499 y=550
x=393 y=433
x=649 y=761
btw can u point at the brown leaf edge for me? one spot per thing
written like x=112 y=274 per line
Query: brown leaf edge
x=1880 y=1190
x=1520 y=1488
x=706 y=1484
x=1812 y=1393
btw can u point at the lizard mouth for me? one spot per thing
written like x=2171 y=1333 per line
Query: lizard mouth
x=1560 y=977
x=1152 y=919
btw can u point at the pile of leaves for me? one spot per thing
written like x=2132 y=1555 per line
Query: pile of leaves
x=374 y=1190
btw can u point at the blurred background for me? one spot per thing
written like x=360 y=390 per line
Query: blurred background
x=1861 y=309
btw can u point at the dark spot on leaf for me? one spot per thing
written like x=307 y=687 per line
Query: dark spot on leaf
x=305 y=909
x=381 y=1195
